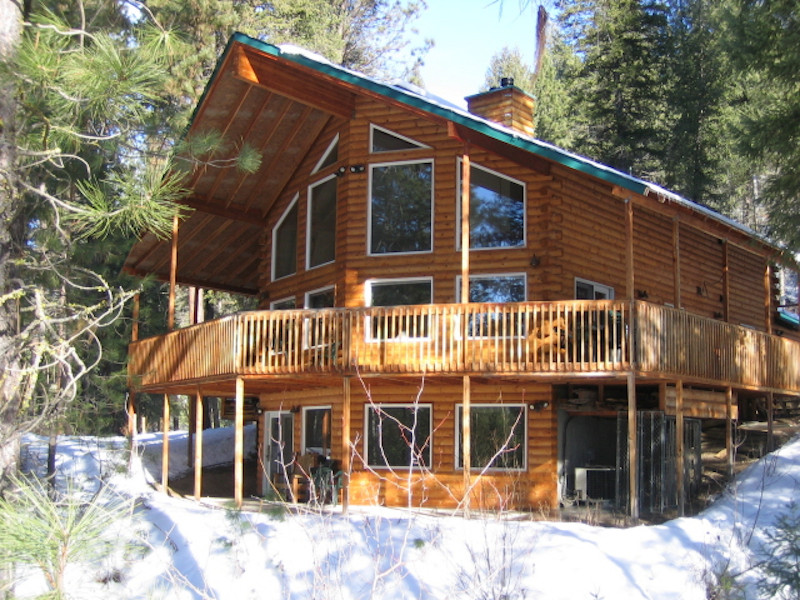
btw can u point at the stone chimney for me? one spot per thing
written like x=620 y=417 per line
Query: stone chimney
x=507 y=105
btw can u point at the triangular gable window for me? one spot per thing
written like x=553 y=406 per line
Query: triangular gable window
x=383 y=140
x=330 y=156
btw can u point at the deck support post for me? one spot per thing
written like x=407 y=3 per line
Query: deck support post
x=729 y=429
x=238 y=444
x=165 y=444
x=346 y=452
x=173 y=274
x=633 y=459
x=679 y=448
x=466 y=463
x=770 y=422
x=676 y=260
x=198 y=445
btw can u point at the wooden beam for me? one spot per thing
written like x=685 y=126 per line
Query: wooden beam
x=726 y=281
x=173 y=273
x=633 y=453
x=208 y=206
x=676 y=260
x=629 y=264
x=770 y=422
x=729 y=429
x=465 y=197
x=345 y=447
x=165 y=444
x=679 y=448
x=238 y=444
x=135 y=324
x=198 y=445
x=466 y=462
x=768 y=298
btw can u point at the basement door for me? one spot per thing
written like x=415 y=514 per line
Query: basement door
x=278 y=446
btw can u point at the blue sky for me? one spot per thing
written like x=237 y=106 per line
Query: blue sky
x=467 y=34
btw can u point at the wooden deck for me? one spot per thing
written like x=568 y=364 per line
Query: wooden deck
x=546 y=339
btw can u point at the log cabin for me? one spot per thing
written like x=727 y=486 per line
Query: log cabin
x=604 y=322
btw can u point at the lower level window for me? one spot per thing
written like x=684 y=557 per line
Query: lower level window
x=398 y=435
x=497 y=436
x=317 y=430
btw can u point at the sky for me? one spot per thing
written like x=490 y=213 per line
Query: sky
x=467 y=33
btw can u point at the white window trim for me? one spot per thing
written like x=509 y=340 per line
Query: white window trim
x=373 y=127
x=325 y=154
x=594 y=284
x=274 y=303
x=308 y=223
x=314 y=292
x=307 y=345
x=458 y=331
x=369 y=206
x=458 y=207
x=429 y=449
x=285 y=213
x=368 y=302
x=303 y=424
x=458 y=424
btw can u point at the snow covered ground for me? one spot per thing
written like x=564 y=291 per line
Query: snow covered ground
x=176 y=548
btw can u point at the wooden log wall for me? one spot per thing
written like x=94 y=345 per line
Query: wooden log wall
x=701 y=404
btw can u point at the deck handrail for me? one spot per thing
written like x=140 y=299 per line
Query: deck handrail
x=570 y=336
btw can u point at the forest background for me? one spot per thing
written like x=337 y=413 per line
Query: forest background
x=700 y=96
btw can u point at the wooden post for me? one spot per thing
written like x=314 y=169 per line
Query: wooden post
x=165 y=445
x=198 y=445
x=676 y=260
x=173 y=275
x=238 y=444
x=629 y=266
x=131 y=407
x=679 y=447
x=466 y=452
x=770 y=422
x=767 y=299
x=633 y=460
x=346 y=465
x=729 y=429
x=726 y=283
x=466 y=394
x=135 y=324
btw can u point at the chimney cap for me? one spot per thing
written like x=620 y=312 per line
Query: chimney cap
x=506 y=82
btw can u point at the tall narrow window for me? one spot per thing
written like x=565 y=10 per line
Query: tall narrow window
x=496 y=210
x=497 y=436
x=401 y=207
x=322 y=222
x=317 y=430
x=284 y=243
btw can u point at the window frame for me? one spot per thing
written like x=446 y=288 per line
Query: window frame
x=522 y=329
x=308 y=332
x=310 y=224
x=595 y=286
x=369 y=409
x=431 y=216
x=293 y=205
x=319 y=166
x=274 y=305
x=303 y=434
x=460 y=179
x=459 y=436
x=370 y=334
x=372 y=128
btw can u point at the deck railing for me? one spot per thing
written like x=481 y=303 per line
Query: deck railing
x=573 y=336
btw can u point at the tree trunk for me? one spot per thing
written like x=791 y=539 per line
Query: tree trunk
x=10 y=362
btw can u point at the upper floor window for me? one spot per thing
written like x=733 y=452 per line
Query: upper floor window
x=495 y=323
x=284 y=304
x=330 y=156
x=383 y=140
x=398 y=292
x=321 y=298
x=591 y=290
x=284 y=243
x=401 y=207
x=321 y=237
x=496 y=210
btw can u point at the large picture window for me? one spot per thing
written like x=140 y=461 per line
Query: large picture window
x=497 y=436
x=401 y=208
x=496 y=210
x=398 y=435
x=495 y=289
x=284 y=243
x=322 y=222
